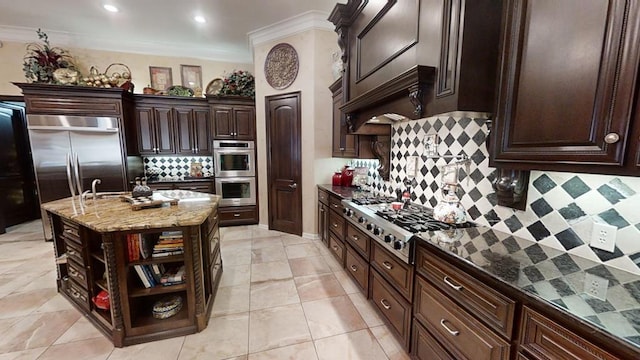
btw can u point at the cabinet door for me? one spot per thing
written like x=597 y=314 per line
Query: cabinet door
x=201 y=132
x=223 y=126
x=184 y=131
x=323 y=222
x=568 y=72
x=164 y=127
x=344 y=145
x=245 y=119
x=146 y=132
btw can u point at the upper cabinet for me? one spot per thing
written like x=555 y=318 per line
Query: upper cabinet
x=171 y=125
x=346 y=145
x=567 y=89
x=233 y=118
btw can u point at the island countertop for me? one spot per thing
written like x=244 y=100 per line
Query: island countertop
x=112 y=214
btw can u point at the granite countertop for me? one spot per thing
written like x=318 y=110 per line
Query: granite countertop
x=344 y=192
x=185 y=179
x=112 y=214
x=552 y=275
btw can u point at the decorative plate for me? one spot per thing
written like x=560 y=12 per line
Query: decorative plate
x=214 y=86
x=281 y=66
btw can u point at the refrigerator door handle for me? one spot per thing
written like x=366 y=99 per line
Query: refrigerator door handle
x=70 y=181
x=76 y=172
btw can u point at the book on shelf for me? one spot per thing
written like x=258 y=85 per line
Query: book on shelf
x=149 y=274
x=146 y=246
x=157 y=271
x=168 y=253
x=172 y=276
x=142 y=275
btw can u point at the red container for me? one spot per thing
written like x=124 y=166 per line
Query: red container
x=347 y=176
x=336 y=180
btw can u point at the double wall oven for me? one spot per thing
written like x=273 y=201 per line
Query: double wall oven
x=234 y=169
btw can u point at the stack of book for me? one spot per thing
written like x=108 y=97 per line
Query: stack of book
x=150 y=275
x=169 y=243
x=172 y=276
x=138 y=247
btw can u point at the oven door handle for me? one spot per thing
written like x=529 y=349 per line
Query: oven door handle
x=293 y=186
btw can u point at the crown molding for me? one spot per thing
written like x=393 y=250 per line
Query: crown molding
x=67 y=39
x=310 y=20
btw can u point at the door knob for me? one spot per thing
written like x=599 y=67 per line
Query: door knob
x=293 y=186
x=611 y=138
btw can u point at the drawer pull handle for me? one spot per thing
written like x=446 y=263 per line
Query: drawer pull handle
x=335 y=225
x=452 y=332
x=73 y=272
x=335 y=248
x=355 y=237
x=354 y=268
x=335 y=205
x=236 y=215
x=387 y=265
x=385 y=304
x=454 y=286
x=75 y=294
x=72 y=253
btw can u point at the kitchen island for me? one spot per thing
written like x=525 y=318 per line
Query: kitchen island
x=139 y=260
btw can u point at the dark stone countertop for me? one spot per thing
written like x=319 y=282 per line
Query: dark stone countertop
x=551 y=275
x=344 y=192
x=183 y=180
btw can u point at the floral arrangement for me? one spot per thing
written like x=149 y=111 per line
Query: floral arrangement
x=42 y=60
x=239 y=82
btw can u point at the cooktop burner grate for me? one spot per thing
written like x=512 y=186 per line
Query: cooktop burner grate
x=416 y=218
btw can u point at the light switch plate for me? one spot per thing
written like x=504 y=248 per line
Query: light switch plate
x=412 y=166
x=430 y=143
x=603 y=236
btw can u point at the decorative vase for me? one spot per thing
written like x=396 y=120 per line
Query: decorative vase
x=449 y=210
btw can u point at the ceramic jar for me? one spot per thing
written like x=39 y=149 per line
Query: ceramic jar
x=449 y=210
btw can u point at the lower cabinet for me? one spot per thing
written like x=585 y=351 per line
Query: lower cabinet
x=337 y=248
x=425 y=346
x=238 y=215
x=199 y=186
x=358 y=269
x=392 y=305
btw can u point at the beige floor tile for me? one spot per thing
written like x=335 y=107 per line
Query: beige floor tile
x=348 y=284
x=304 y=351
x=236 y=257
x=235 y=233
x=231 y=300
x=57 y=303
x=34 y=331
x=273 y=293
x=289 y=239
x=90 y=349
x=357 y=345
x=158 y=350
x=266 y=242
x=366 y=309
x=332 y=316
x=322 y=247
x=277 y=327
x=268 y=254
x=314 y=287
x=235 y=275
x=276 y=270
x=241 y=357
x=236 y=244
x=258 y=232
x=332 y=262
x=45 y=281
x=314 y=265
x=224 y=337
x=389 y=343
x=81 y=330
x=23 y=303
x=31 y=354
x=301 y=250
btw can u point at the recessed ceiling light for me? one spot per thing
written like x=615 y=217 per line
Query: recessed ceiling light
x=200 y=19
x=110 y=8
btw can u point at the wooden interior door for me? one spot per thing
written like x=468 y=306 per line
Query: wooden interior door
x=284 y=162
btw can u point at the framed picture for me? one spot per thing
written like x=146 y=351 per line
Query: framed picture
x=161 y=78
x=191 y=77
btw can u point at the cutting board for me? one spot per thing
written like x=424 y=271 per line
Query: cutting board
x=144 y=202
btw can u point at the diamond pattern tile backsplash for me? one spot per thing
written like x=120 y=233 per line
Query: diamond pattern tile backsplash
x=176 y=167
x=561 y=207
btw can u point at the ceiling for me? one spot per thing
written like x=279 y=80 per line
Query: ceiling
x=161 y=27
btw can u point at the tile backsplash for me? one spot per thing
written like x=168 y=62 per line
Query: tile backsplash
x=176 y=167
x=561 y=207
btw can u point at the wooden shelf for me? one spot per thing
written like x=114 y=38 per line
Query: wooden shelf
x=174 y=321
x=98 y=256
x=159 y=289
x=102 y=284
x=158 y=260
x=104 y=316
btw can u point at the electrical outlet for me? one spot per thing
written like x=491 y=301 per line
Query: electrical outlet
x=412 y=166
x=596 y=286
x=603 y=236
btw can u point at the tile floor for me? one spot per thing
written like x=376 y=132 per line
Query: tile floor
x=280 y=297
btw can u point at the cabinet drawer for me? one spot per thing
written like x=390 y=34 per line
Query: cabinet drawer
x=494 y=309
x=336 y=224
x=71 y=232
x=323 y=197
x=392 y=305
x=358 y=240
x=79 y=295
x=74 y=252
x=335 y=203
x=77 y=273
x=205 y=187
x=425 y=347
x=238 y=215
x=358 y=269
x=399 y=274
x=543 y=338
x=337 y=248
x=460 y=333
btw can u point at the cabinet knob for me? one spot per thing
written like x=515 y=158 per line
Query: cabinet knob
x=611 y=138
x=341 y=149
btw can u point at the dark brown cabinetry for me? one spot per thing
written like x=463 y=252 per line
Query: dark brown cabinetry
x=233 y=118
x=171 y=125
x=568 y=74
x=345 y=144
x=200 y=186
x=323 y=216
x=238 y=215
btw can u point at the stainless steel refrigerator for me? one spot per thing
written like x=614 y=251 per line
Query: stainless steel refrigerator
x=94 y=143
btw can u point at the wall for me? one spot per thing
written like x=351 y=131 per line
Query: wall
x=561 y=207
x=12 y=53
x=314 y=48
x=176 y=167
